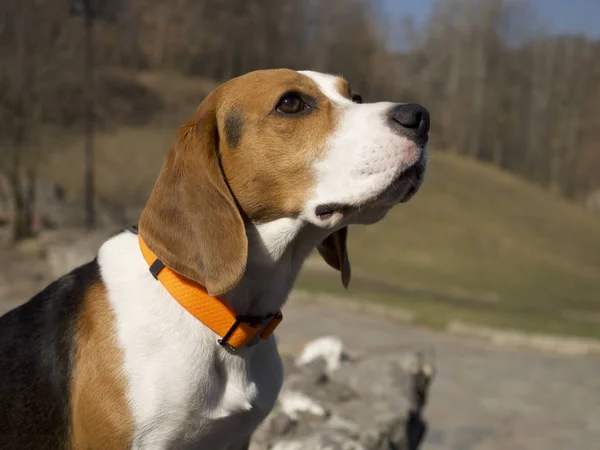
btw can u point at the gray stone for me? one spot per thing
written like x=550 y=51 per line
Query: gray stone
x=366 y=404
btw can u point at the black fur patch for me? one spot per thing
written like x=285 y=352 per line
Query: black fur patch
x=37 y=351
x=132 y=229
x=234 y=124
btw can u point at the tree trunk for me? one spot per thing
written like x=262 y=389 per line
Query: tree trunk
x=90 y=211
x=22 y=211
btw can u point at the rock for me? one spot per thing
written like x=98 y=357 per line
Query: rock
x=328 y=349
x=331 y=441
x=371 y=403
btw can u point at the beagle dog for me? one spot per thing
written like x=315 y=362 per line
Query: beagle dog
x=164 y=340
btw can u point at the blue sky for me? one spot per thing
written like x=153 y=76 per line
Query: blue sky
x=559 y=15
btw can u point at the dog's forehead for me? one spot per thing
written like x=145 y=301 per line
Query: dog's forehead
x=265 y=85
x=332 y=86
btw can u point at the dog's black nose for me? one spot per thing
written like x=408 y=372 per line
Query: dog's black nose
x=410 y=120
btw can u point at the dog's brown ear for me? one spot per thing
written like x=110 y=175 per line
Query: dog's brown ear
x=335 y=253
x=191 y=221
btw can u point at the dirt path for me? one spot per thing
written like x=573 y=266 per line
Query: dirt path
x=484 y=397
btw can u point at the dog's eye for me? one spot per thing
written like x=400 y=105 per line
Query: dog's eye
x=291 y=104
x=356 y=97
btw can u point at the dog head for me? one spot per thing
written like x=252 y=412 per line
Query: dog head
x=280 y=145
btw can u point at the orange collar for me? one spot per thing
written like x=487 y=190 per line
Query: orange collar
x=235 y=331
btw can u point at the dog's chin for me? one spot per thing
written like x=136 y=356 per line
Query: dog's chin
x=369 y=212
x=371 y=216
x=373 y=212
x=400 y=190
x=373 y=208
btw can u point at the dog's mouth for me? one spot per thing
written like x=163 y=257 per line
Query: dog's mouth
x=409 y=182
x=401 y=190
x=327 y=210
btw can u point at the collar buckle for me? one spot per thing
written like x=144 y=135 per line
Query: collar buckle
x=263 y=327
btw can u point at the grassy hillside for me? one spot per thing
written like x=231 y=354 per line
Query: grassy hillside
x=477 y=244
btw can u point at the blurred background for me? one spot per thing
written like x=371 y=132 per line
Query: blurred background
x=505 y=233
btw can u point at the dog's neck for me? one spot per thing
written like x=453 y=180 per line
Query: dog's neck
x=276 y=252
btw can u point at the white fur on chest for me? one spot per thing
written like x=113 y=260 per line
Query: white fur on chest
x=185 y=391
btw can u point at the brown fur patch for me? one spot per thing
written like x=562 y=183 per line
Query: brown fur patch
x=271 y=170
x=343 y=88
x=191 y=221
x=101 y=418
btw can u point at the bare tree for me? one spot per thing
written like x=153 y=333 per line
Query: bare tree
x=23 y=92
